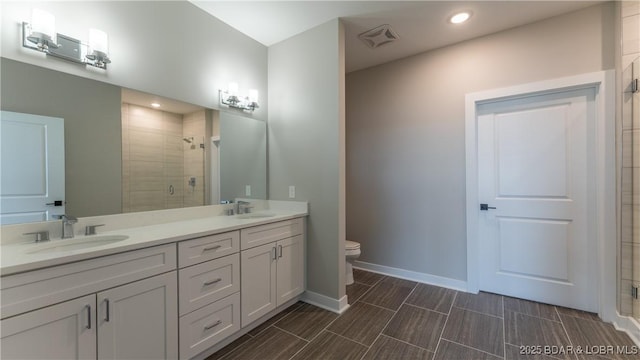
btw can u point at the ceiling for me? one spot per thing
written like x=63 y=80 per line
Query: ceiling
x=420 y=25
x=170 y=105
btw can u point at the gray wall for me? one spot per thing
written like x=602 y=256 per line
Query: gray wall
x=168 y=48
x=91 y=112
x=406 y=135
x=306 y=128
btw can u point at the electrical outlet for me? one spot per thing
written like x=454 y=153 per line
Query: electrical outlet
x=247 y=190
x=292 y=192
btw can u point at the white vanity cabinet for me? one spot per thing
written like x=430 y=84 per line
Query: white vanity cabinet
x=272 y=260
x=209 y=283
x=117 y=316
x=63 y=331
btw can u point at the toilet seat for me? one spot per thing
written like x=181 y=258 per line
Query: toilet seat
x=352 y=245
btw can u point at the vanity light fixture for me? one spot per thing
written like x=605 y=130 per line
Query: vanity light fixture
x=40 y=35
x=231 y=98
x=155 y=105
x=460 y=17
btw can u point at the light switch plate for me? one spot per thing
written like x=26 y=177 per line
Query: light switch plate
x=247 y=190
x=292 y=191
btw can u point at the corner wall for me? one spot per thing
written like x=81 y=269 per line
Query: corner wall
x=406 y=134
x=306 y=146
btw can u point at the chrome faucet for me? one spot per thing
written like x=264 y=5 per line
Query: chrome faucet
x=244 y=207
x=67 y=226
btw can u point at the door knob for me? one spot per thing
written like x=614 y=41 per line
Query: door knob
x=485 y=207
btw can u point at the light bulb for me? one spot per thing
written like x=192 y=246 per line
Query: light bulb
x=43 y=25
x=253 y=95
x=98 y=41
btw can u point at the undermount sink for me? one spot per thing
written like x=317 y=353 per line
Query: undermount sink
x=76 y=244
x=256 y=215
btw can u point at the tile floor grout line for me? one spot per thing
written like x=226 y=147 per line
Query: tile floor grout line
x=472 y=348
x=453 y=301
x=565 y=330
x=477 y=312
x=388 y=321
x=383 y=328
x=344 y=337
x=406 y=343
x=425 y=308
x=326 y=328
x=533 y=316
x=378 y=306
x=504 y=330
x=290 y=333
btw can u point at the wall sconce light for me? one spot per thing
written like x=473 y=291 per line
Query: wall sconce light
x=231 y=98
x=40 y=35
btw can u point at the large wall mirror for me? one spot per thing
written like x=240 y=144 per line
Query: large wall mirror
x=123 y=155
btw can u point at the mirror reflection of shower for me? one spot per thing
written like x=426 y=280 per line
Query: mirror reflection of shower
x=163 y=163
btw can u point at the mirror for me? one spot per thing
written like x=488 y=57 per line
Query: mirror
x=112 y=161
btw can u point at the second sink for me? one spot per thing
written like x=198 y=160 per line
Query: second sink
x=76 y=244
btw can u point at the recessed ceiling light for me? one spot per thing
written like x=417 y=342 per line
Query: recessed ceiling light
x=155 y=105
x=460 y=17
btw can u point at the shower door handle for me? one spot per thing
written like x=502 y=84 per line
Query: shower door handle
x=171 y=190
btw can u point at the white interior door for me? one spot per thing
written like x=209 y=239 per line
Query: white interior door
x=32 y=166
x=535 y=169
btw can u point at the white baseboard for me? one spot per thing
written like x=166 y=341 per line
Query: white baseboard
x=337 y=306
x=413 y=275
x=629 y=325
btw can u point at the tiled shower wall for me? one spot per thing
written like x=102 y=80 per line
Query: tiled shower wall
x=155 y=157
x=630 y=184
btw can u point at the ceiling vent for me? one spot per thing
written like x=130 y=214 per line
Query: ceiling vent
x=378 y=36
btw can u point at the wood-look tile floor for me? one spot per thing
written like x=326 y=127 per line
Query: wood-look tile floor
x=391 y=318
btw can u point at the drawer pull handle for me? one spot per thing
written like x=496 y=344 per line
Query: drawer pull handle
x=211 y=282
x=107 y=317
x=215 y=247
x=88 y=307
x=209 y=327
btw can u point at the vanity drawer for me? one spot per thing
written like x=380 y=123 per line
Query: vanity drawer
x=207 y=248
x=39 y=288
x=264 y=234
x=205 y=327
x=205 y=283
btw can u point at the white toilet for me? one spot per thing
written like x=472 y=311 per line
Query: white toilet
x=352 y=252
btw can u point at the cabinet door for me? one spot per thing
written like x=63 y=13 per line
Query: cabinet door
x=258 y=282
x=139 y=320
x=63 y=331
x=290 y=278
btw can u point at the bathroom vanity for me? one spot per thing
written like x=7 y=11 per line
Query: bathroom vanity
x=163 y=291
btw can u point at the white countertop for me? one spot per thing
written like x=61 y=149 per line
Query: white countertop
x=15 y=256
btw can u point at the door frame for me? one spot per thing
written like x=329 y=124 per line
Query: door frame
x=605 y=175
